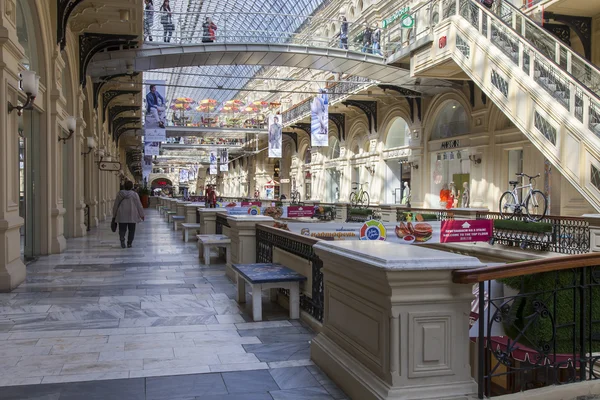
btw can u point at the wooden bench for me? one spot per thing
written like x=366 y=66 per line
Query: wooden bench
x=268 y=276
x=177 y=220
x=186 y=228
x=207 y=242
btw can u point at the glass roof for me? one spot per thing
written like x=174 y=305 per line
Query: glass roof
x=281 y=17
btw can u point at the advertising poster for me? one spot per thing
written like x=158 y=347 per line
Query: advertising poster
x=275 y=129
x=319 y=120
x=406 y=233
x=146 y=167
x=224 y=160
x=213 y=169
x=152 y=148
x=300 y=211
x=156 y=112
x=251 y=203
x=212 y=158
x=183 y=175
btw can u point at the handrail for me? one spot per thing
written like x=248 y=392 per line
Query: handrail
x=296 y=236
x=525 y=268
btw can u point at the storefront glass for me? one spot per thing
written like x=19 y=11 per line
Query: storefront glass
x=451 y=121
x=398 y=134
x=451 y=170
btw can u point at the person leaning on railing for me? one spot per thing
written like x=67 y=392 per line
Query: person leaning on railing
x=148 y=19
x=344 y=34
x=166 y=19
x=208 y=31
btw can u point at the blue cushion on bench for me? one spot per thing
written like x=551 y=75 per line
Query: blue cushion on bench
x=267 y=272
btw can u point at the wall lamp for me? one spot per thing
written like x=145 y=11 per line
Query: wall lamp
x=413 y=164
x=30 y=84
x=91 y=143
x=71 y=126
x=370 y=168
x=475 y=159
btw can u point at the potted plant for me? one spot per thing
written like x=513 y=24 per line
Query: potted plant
x=144 y=196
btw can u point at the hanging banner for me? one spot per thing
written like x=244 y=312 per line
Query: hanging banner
x=319 y=120
x=212 y=157
x=147 y=167
x=152 y=148
x=213 y=169
x=183 y=175
x=224 y=160
x=156 y=112
x=275 y=128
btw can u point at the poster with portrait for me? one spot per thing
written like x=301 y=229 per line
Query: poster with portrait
x=183 y=175
x=146 y=167
x=155 y=111
x=275 y=132
x=212 y=157
x=152 y=148
x=224 y=160
x=319 y=120
x=213 y=169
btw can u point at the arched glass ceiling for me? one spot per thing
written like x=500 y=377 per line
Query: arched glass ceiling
x=241 y=15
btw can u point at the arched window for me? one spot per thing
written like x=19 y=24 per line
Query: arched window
x=334 y=148
x=360 y=5
x=356 y=149
x=451 y=121
x=398 y=134
x=351 y=13
x=26 y=35
x=307 y=156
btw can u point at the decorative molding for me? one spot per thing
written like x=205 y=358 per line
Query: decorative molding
x=116 y=110
x=92 y=43
x=403 y=91
x=294 y=137
x=64 y=8
x=103 y=80
x=563 y=32
x=411 y=97
x=581 y=25
x=111 y=94
x=120 y=122
x=303 y=126
x=340 y=123
x=368 y=107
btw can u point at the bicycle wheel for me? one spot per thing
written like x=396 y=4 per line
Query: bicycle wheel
x=536 y=205
x=353 y=200
x=508 y=205
x=365 y=199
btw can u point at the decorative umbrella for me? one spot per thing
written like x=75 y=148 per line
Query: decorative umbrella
x=251 y=108
x=230 y=109
x=260 y=103
x=181 y=107
x=234 y=102
x=274 y=105
x=209 y=102
x=205 y=107
x=184 y=100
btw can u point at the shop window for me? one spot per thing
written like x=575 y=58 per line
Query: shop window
x=334 y=146
x=398 y=134
x=450 y=170
x=26 y=35
x=451 y=121
x=515 y=164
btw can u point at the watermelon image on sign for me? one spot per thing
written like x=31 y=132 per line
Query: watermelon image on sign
x=372 y=230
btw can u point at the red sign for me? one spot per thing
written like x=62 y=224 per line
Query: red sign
x=473 y=230
x=442 y=42
x=251 y=203
x=300 y=211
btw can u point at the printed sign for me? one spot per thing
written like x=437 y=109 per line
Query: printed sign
x=251 y=203
x=224 y=160
x=156 y=112
x=275 y=128
x=152 y=148
x=213 y=169
x=109 y=166
x=254 y=210
x=319 y=120
x=479 y=230
x=372 y=230
x=300 y=211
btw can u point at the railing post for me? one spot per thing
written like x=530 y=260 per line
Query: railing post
x=489 y=27
x=594 y=221
x=480 y=17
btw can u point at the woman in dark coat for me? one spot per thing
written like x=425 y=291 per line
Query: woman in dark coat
x=166 y=19
x=127 y=212
x=208 y=31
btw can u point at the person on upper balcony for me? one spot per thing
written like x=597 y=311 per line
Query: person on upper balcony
x=344 y=34
x=166 y=19
x=148 y=19
x=209 y=31
x=367 y=39
x=376 y=38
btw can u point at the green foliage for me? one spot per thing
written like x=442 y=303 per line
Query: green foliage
x=562 y=304
x=144 y=191
x=360 y=211
x=403 y=216
x=523 y=226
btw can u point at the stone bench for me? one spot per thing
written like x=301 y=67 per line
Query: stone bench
x=170 y=215
x=268 y=276
x=207 y=242
x=186 y=228
x=177 y=220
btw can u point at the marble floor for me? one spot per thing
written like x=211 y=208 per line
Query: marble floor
x=152 y=321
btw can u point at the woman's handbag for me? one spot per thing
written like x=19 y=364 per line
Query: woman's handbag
x=113 y=225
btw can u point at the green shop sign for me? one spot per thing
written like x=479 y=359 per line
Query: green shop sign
x=406 y=21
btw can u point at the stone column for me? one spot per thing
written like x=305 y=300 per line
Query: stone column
x=388 y=212
x=190 y=213
x=341 y=212
x=594 y=221
x=208 y=220
x=242 y=232
x=395 y=325
x=12 y=269
x=181 y=208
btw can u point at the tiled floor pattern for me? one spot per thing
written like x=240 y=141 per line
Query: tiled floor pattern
x=116 y=317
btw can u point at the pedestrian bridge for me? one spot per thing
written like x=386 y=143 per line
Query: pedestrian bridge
x=151 y=57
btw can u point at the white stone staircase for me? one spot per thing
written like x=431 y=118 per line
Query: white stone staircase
x=547 y=90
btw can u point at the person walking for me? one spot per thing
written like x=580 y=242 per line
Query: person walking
x=367 y=39
x=376 y=37
x=208 y=31
x=166 y=19
x=148 y=19
x=127 y=212
x=344 y=34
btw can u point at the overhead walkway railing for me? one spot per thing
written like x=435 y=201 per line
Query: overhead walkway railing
x=573 y=81
x=268 y=28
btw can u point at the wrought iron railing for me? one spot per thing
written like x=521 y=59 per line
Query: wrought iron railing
x=537 y=323
x=441 y=214
x=86 y=218
x=268 y=238
x=568 y=235
x=220 y=223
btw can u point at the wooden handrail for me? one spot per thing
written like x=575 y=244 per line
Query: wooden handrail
x=282 y=232
x=525 y=268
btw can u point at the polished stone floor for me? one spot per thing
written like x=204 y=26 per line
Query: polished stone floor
x=150 y=322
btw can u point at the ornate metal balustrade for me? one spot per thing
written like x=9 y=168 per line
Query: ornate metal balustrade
x=302 y=246
x=537 y=323
x=568 y=235
x=220 y=223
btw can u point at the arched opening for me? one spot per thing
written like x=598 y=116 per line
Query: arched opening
x=449 y=160
x=30 y=202
x=397 y=172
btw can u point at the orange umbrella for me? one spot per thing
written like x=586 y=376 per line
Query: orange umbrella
x=230 y=109
x=274 y=105
x=209 y=102
x=251 y=108
x=181 y=106
x=234 y=102
x=205 y=107
x=260 y=103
